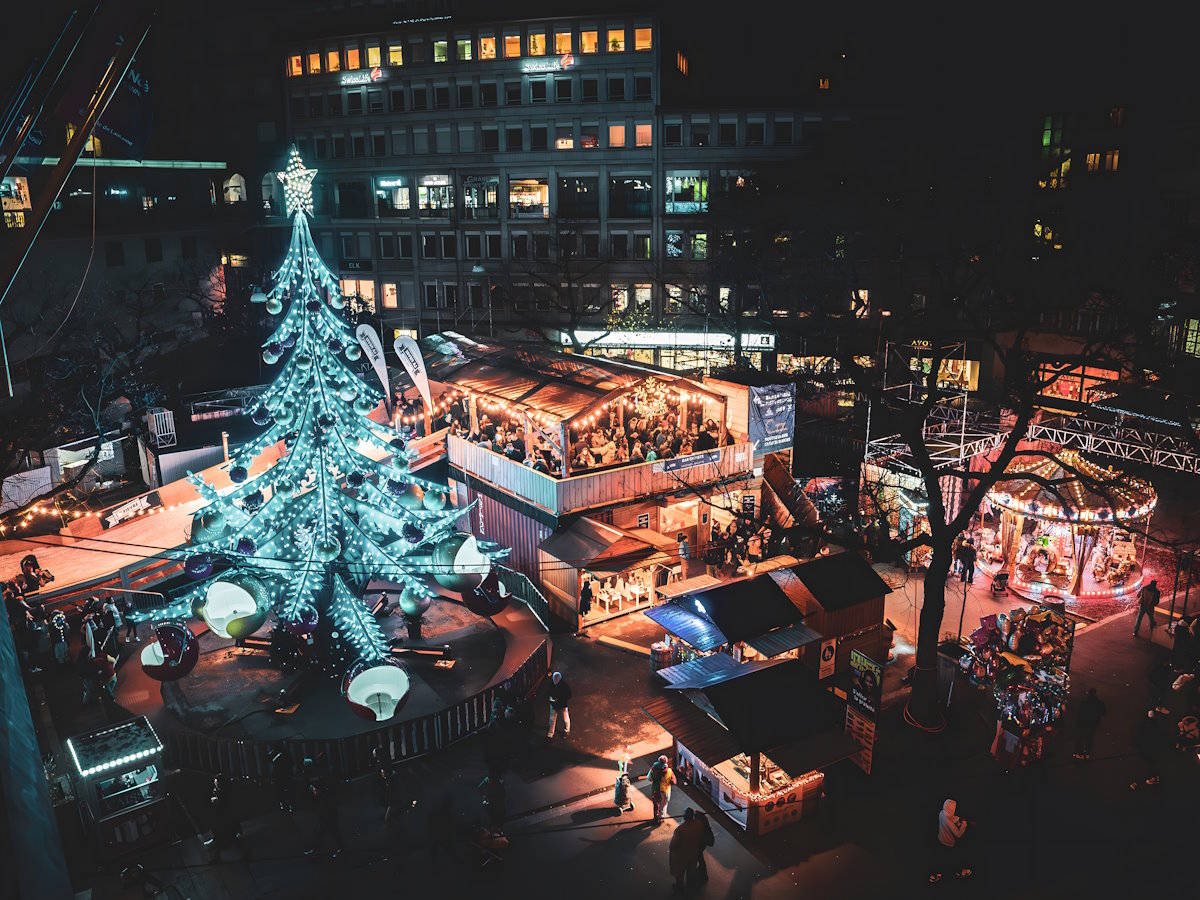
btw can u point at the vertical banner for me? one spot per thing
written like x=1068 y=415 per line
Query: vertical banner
x=772 y=417
x=862 y=730
x=414 y=364
x=368 y=339
x=866 y=684
x=828 y=658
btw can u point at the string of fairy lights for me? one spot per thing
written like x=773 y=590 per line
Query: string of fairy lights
x=1095 y=493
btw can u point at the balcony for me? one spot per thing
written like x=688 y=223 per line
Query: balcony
x=560 y=496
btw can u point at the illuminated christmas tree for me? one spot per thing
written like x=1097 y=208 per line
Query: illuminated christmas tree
x=340 y=507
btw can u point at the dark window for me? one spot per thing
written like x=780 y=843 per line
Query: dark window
x=629 y=197
x=579 y=197
x=591 y=246
x=541 y=246
x=783 y=132
x=466 y=96
x=378 y=145
x=512 y=93
x=537 y=137
x=700 y=134
x=727 y=134
x=387 y=246
x=474 y=246
x=641 y=245
x=158 y=291
x=335 y=104
x=397 y=99
x=673 y=134
x=537 y=90
x=429 y=246
x=316 y=106
x=420 y=99
x=487 y=94
x=431 y=296
x=562 y=90
x=319 y=148
x=352 y=199
x=153 y=250
x=450 y=295
x=187 y=247
x=568 y=245
x=114 y=254
x=358 y=145
x=296 y=107
x=590 y=92
x=475 y=295
x=404 y=246
x=620 y=245
x=441 y=97
x=493 y=246
x=450 y=246
x=755 y=134
x=642 y=88
x=616 y=88
x=520 y=246
x=491 y=140
x=514 y=138
x=374 y=101
x=354 y=103
x=339 y=146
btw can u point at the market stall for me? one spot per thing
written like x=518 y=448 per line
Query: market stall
x=1078 y=540
x=763 y=770
x=119 y=782
x=1024 y=658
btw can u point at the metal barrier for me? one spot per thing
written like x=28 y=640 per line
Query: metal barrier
x=525 y=591
x=350 y=756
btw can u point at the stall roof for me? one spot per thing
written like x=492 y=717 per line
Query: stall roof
x=781 y=640
x=697 y=668
x=744 y=608
x=689 y=627
x=836 y=582
x=603 y=549
x=814 y=752
x=687 y=586
x=722 y=674
x=693 y=727
x=117 y=745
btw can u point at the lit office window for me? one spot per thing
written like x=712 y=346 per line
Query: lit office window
x=352 y=61
x=512 y=46
x=641 y=133
x=589 y=42
x=389 y=296
x=487 y=48
x=562 y=42
x=616 y=40
x=537 y=43
x=314 y=63
x=463 y=48
x=333 y=61
x=641 y=39
x=616 y=135
x=395 y=55
x=295 y=65
x=374 y=57
x=441 y=51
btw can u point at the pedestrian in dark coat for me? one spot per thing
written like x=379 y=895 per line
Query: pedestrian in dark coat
x=560 y=698
x=1091 y=711
x=707 y=839
x=1161 y=678
x=324 y=797
x=1148 y=743
x=283 y=771
x=226 y=827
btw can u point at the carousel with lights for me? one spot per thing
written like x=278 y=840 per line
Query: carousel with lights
x=1064 y=527
x=299 y=540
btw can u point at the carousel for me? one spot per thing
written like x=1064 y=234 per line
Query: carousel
x=1080 y=540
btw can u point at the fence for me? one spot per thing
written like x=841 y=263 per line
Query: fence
x=351 y=756
x=523 y=589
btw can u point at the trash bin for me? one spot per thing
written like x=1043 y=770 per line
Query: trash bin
x=621 y=794
x=662 y=656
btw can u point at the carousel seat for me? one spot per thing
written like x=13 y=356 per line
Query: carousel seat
x=1000 y=583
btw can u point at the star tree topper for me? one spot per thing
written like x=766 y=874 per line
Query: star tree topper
x=297 y=185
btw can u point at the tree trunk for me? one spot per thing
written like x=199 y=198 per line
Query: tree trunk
x=924 y=707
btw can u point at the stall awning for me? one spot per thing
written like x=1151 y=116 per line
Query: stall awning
x=695 y=729
x=697 y=668
x=687 y=586
x=781 y=640
x=745 y=608
x=693 y=629
x=118 y=745
x=604 y=550
x=817 y=752
x=722 y=674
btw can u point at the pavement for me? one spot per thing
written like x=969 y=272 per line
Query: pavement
x=1057 y=828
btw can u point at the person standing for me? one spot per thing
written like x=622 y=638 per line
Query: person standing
x=1149 y=744
x=685 y=848
x=685 y=553
x=951 y=828
x=283 y=770
x=661 y=778
x=1091 y=711
x=1147 y=601
x=585 y=598
x=968 y=561
x=1161 y=678
x=707 y=839
x=325 y=800
x=130 y=622
x=560 y=699
x=226 y=829
x=86 y=670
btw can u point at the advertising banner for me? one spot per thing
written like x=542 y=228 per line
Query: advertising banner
x=368 y=339
x=691 y=461
x=828 y=658
x=130 y=508
x=772 y=418
x=866 y=684
x=414 y=364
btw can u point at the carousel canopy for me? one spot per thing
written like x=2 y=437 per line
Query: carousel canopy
x=1101 y=495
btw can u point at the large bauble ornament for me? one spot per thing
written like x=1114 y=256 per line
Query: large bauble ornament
x=172 y=654
x=313 y=306
x=355 y=479
x=238 y=474
x=303 y=362
x=337 y=301
x=328 y=549
x=434 y=501
x=253 y=501
x=413 y=498
x=270 y=358
x=412 y=533
x=258 y=297
x=363 y=406
x=245 y=546
x=353 y=352
x=347 y=393
x=208 y=525
x=398 y=444
x=458 y=564
x=335 y=345
x=235 y=606
x=396 y=488
x=285 y=414
x=304 y=623
x=274 y=306
x=289 y=342
x=376 y=689
x=489 y=598
x=261 y=416
x=285 y=488
x=413 y=603
x=198 y=566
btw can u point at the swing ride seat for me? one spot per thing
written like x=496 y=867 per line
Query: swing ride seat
x=1000 y=583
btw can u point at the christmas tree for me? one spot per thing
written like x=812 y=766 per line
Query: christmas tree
x=340 y=507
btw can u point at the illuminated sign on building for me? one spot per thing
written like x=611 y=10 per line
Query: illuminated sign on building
x=368 y=76
x=534 y=66
x=392 y=182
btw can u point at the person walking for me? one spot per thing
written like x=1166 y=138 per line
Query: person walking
x=1091 y=711
x=283 y=771
x=707 y=839
x=226 y=828
x=685 y=554
x=1162 y=676
x=113 y=621
x=968 y=561
x=1148 y=743
x=560 y=698
x=1148 y=598
x=951 y=828
x=661 y=778
x=325 y=800
x=685 y=848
